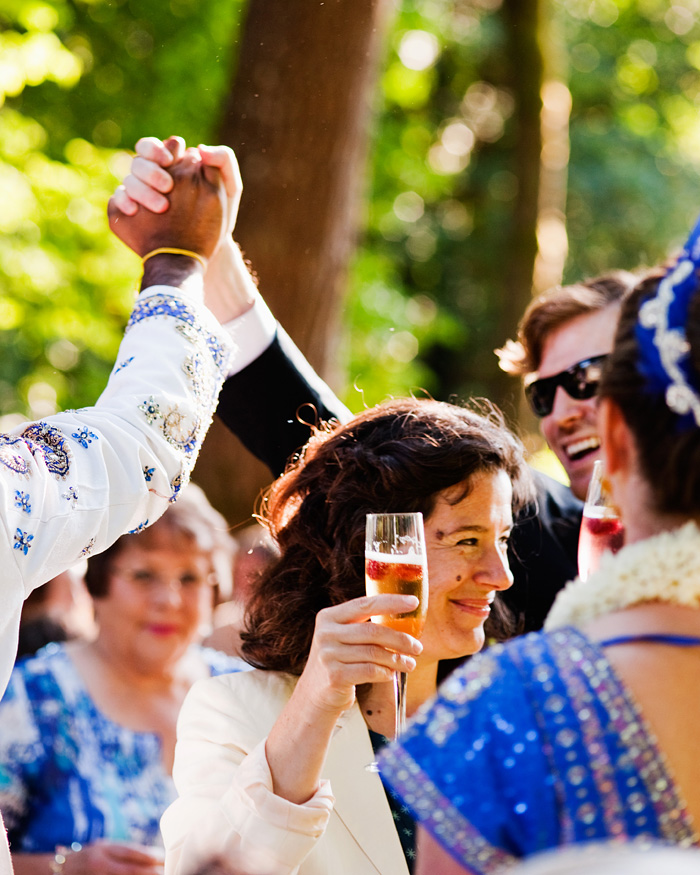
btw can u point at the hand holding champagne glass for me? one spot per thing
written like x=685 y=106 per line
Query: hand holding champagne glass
x=396 y=562
x=601 y=526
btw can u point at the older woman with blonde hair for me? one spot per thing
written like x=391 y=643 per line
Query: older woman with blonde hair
x=87 y=728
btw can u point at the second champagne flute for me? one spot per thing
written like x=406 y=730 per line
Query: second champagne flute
x=396 y=562
x=601 y=526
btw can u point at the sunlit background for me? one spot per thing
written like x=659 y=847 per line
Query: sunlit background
x=432 y=283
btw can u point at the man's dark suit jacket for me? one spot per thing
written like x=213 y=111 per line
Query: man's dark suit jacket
x=544 y=542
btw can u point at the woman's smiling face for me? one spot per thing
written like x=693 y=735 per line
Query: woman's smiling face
x=467 y=541
x=159 y=598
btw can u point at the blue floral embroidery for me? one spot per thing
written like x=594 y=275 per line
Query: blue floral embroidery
x=139 y=528
x=148 y=473
x=50 y=443
x=97 y=779
x=218 y=352
x=71 y=494
x=122 y=365
x=22 y=501
x=23 y=541
x=176 y=484
x=161 y=305
x=152 y=410
x=9 y=459
x=86 y=551
x=84 y=437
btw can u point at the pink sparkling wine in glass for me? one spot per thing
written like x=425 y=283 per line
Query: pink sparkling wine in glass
x=601 y=530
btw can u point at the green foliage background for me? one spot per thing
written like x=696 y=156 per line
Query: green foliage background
x=82 y=80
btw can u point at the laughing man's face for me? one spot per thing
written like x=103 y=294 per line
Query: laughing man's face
x=571 y=429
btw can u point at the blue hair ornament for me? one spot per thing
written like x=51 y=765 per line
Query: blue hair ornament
x=663 y=345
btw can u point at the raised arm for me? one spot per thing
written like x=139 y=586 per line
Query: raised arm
x=272 y=394
x=73 y=483
x=251 y=751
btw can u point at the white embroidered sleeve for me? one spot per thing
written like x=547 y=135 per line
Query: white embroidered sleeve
x=73 y=483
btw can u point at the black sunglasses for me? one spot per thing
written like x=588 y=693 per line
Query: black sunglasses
x=580 y=381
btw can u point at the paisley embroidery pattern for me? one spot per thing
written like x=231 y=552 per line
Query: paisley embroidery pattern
x=11 y=460
x=179 y=430
x=51 y=445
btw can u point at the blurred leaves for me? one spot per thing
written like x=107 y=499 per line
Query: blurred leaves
x=443 y=178
x=82 y=80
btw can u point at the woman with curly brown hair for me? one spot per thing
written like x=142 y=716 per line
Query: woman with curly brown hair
x=256 y=755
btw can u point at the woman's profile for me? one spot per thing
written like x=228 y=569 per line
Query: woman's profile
x=271 y=767
x=589 y=731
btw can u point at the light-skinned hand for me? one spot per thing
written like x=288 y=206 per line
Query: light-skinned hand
x=198 y=218
x=347 y=650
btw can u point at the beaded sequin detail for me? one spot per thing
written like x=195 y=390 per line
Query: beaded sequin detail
x=11 y=460
x=606 y=773
x=663 y=344
x=183 y=429
x=415 y=787
x=50 y=443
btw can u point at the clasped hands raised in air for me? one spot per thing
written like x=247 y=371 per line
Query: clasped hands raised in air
x=204 y=190
x=184 y=192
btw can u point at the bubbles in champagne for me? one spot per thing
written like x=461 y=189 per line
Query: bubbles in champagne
x=403 y=574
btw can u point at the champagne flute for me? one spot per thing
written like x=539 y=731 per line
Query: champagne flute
x=601 y=527
x=396 y=562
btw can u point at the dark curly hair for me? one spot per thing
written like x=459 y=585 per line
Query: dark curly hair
x=669 y=456
x=395 y=457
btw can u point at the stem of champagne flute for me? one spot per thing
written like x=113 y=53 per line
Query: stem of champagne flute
x=400 y=695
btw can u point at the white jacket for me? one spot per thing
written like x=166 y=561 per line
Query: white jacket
x=226 y=806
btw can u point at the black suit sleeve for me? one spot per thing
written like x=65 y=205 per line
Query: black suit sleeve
x=271 y=404
x=543 y=550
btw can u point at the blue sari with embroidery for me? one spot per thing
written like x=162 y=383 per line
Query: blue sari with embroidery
x=529 y=746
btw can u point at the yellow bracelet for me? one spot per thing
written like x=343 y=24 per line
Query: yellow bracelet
x=171 y=250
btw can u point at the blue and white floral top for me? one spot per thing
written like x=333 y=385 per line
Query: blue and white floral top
x=67 y=772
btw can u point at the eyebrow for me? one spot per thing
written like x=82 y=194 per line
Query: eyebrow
x=473 y=528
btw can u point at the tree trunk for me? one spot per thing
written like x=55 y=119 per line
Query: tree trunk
x=522 y=22
x=538 y=245
x=298 y=119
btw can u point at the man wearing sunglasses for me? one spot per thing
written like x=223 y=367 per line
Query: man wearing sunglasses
x=563 y=339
